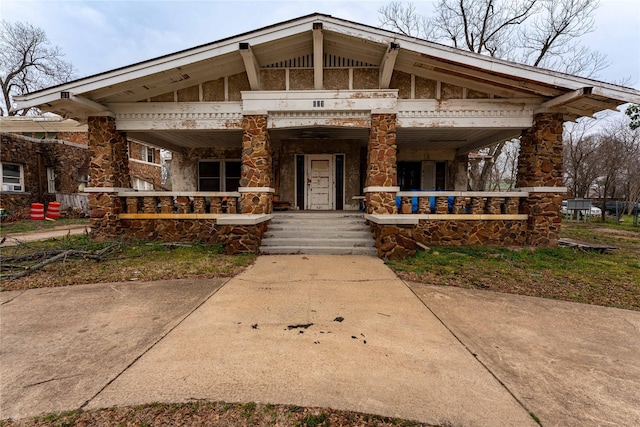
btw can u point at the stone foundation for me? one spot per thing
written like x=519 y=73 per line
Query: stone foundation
x=396 y=242
x=545 y=218
x=235 y=238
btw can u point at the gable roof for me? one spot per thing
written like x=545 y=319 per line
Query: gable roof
x=292 y=42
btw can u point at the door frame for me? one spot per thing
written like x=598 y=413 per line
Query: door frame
x=308 y=158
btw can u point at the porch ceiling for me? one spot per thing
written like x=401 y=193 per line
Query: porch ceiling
x=462 y=140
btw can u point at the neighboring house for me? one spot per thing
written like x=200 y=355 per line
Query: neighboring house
x=64 y=172
x=320 y=112
x=145 y=166
x=43 y=170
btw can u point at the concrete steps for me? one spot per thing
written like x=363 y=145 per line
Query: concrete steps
x=327 y=233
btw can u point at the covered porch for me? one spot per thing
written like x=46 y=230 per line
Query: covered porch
x=319 y=113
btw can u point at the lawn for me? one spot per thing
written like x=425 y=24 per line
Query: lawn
x=609 y=279
x=114 y=261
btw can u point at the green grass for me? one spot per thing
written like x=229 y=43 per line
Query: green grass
x=569 y=274
x=125 y=261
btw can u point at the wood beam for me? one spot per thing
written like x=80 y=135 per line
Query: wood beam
x=567 y=98
x=86 y=103
x=251 y=65
x=387 y=64
x=318 y=56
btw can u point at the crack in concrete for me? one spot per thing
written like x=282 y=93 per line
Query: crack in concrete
x=52 y=379
x=19 y=295
x=471 y=352
x=156 y=342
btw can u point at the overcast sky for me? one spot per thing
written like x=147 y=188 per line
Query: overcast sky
x=98 y=36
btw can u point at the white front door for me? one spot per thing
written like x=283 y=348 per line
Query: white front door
x=320 y=182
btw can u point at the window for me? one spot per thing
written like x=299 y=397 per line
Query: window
x=409 y=175
x=141 y=184
x=219 y=175
x=441 y=176
x=83 y=179
x=51 y=180
x=232 y=173
x=12 y=177
x=148 y=154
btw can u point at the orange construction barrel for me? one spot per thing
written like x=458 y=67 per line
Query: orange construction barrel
x=53 y=210
x=37 y=211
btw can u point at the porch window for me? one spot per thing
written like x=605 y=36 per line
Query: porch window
x=219 y=175
x=12 y=177
x=409 y=175
x=441 y=176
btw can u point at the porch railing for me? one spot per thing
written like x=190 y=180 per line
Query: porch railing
x=179 y=204
x=460 y=203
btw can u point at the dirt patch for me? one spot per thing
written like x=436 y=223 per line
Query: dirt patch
x=219 y=414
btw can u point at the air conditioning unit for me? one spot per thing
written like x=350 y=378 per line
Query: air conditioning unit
x=16 y=187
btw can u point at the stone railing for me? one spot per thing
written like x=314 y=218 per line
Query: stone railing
x=179 y=204
x=462 y=204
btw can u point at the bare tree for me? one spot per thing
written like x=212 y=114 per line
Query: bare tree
x=536 y=32
x=550 y=39
x=581 y=161
x=615 y=143
x=28 y=63
x=544 y=32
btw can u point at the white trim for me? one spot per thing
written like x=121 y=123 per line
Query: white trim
x=462 y=194
x=543 y=189
x=414 y=219
x=106 y=189
x=256 y=190
x=129 y=192
x=144 y=162
x=491 y=69
x=380 y=189
x=243 y=219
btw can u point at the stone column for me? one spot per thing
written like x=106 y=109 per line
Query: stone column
x=109 y=169
x=540 y=173
x=255 y=182
x=382 y=176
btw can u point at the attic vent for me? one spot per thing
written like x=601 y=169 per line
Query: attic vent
x=330 y=61
x=180 y=78
x=339 y=61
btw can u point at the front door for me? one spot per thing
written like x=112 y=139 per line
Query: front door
x=320 y=182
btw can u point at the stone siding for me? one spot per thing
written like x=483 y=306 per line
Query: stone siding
x=66 y=159
x=381 y=163
x=397 y=242
x=109 y=168
x=540 y=157
x=540 y=165
x=256 y=164
x=235 y=238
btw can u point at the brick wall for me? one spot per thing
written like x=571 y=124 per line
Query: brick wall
x=35 y=156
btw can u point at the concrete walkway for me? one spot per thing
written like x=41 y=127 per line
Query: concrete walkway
x=330 y=331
